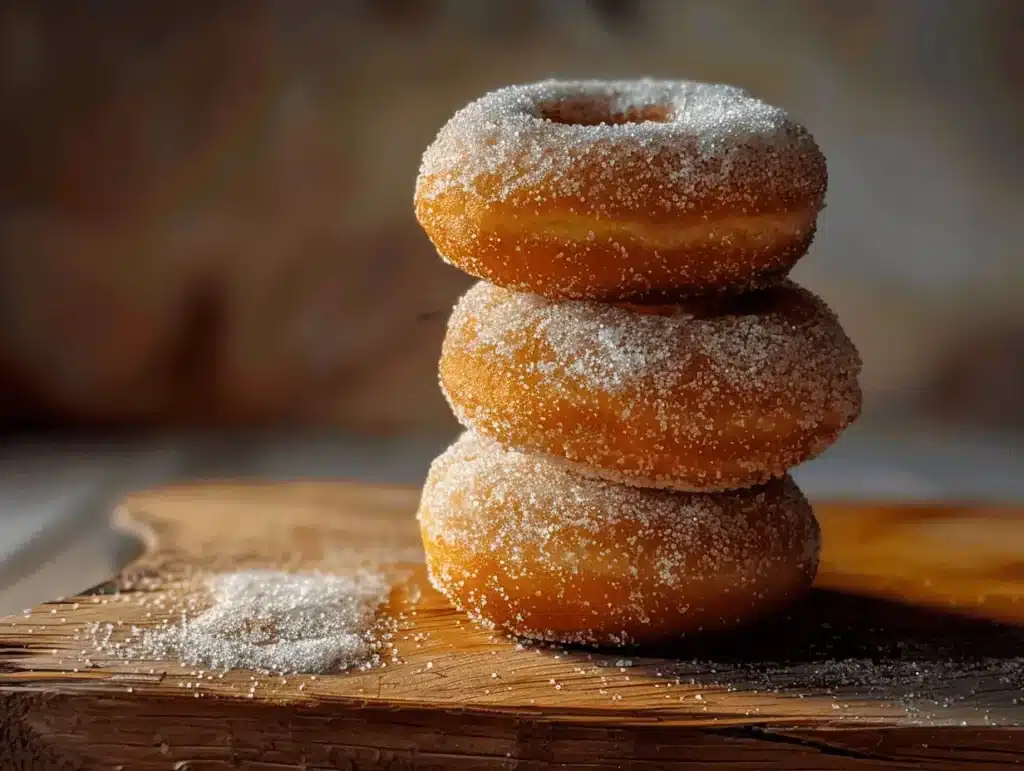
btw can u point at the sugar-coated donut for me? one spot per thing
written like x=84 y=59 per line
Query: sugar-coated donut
x=714 y=394
x=621 y=189
x=523 y=544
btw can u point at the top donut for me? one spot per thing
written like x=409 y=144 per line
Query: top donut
x=621 y=190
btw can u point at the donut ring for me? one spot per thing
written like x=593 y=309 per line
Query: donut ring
x=710 y=395
x=621 y=190
x=520 y=543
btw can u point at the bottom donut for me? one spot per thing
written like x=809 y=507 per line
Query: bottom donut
x=521 y=543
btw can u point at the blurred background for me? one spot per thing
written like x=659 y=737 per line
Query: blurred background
x=209 y=263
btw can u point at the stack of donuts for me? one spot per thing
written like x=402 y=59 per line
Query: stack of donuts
x=635 y=371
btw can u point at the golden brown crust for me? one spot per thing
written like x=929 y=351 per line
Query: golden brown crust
x=706 y=396
x=522 y=544
x=713 y=189
x=618 y=266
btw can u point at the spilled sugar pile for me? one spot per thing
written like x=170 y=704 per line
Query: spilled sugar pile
x=270 y=621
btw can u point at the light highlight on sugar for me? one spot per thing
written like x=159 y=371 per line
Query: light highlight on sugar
x=272 y=621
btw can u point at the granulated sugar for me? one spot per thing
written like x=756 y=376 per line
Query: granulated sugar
x=704 y=137
x=520 y=523
x=271 y=621
x=704 y=397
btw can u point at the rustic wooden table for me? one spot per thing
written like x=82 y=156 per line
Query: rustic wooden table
x=908 y=655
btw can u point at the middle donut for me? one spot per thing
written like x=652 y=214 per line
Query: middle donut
x=712 y=394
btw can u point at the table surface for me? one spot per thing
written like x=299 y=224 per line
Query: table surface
x=55 y=493
x=906 y=655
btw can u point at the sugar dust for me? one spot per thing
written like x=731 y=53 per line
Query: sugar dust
x=271 y=621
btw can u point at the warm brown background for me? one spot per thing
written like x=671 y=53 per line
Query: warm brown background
x=205 y=213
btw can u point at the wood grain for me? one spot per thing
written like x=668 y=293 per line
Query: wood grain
x=905 y=656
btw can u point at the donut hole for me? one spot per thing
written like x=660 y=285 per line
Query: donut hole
x=597 y=112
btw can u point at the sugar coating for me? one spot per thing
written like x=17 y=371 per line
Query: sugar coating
x=697 y=396
x=621 y=189
x=707 y=140
x=509 y=534
x=270 y=621
x=628 y=190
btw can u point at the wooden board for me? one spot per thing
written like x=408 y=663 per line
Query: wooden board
x=906 y=656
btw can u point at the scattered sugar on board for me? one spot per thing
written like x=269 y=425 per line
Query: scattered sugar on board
x=271 y=621
x=936 y=681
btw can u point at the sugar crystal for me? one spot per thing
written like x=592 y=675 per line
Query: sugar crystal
x=272 y=621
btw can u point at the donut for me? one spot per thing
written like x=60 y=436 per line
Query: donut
x=521 y=543
x=703 y=395
x=621 y=190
